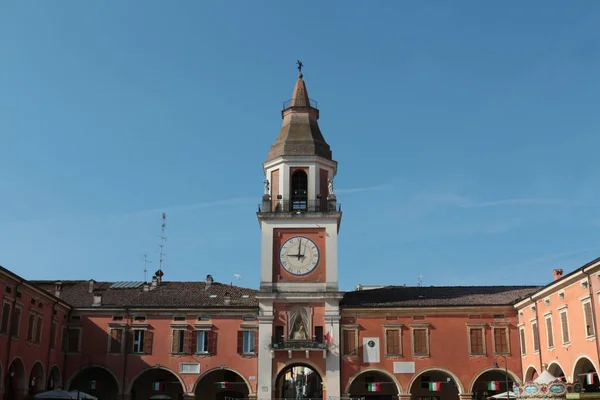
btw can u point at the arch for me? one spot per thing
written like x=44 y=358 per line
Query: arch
x=299 y=190
x=54 y=379
x=373 y=369
x=154 y=369
x=306 y=363
x=207 y=372
x=16 y=377
x=70 y=381
x=515 y=378
x=552 y=368
x=530 y=373
x=457 y=381
x=37 y=380
x=316 y=384
x=579 y=366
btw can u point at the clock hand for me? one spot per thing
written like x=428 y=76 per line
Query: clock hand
x=299 y=247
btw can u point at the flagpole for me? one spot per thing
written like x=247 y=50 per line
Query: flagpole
x=505 y=372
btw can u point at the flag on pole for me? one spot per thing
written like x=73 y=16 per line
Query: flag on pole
x=222 y=385
x=157 y=386
x=434 y=386
x=589 y=378
x=494 y=385
x=373 y=387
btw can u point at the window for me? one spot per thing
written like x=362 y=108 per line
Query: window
x=202 y=342
x=350 y=342
x=420 y=342
x=247 y=341
x=182 y=341
x=564 y=323
x=16 y=322
x=319 y=334
x=536 y=337
x=501 y=340
x=549 y=332
x=393 y=347
x=5 y=318
x=279 y=334
x=589 y=319
x=522 y=341
x=31 y=327
x=38 y=329
x=138 y=341
x=73 y=340
x=116 y=340
x=561 y=295
x=53 y=334
x=476 y=341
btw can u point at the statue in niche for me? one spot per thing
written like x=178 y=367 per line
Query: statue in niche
x=299 y=332
x=267 y=186
x=330 y=187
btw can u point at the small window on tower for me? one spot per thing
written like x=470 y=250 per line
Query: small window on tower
x=299 y=190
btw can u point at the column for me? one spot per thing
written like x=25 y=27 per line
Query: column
x=404 y=396
x=465 y=396
x=332 y=361
x=265 y=361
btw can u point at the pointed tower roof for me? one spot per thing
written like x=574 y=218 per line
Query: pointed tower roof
x=300 y=134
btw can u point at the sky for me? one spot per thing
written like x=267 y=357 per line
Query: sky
x=466 y=135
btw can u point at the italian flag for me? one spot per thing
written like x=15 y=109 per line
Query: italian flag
x=434 y=386
x=157 y=386
x=494 y=385
x=589 y=378
x=222 y=385
x=373 y=387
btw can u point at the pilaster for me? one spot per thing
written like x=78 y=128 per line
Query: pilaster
x=265 y=359
x=332 y=361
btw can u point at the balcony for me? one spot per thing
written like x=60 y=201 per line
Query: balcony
x=299 y=206
x=298 y=345
x=312 y=104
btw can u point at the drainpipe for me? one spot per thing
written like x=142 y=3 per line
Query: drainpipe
x=592 y=302
x=537 y=323
x=9 y=338
x=128 y=317
x=48 y=369
x=62 y=340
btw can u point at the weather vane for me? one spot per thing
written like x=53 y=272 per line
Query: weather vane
x=300 y=65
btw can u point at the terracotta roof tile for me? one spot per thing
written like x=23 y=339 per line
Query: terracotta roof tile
x=436 y=296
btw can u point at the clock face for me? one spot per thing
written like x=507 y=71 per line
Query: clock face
x=299 y=255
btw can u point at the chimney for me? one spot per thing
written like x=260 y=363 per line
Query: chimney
x=91 y=288
x=146 y=287
x=227 y=299
x=57 y=288
x=154 y=283
x=558 y=273
x=209 y=281
x=97 y=300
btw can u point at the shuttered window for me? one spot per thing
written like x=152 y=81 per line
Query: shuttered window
x=30 y=327
x=38 y=329
x=392 y=342
x=589 y=320
x=116 y=338
x=73 y=339
x=53 y=334
x=476 y=339
x=536 y=337
x=501 y=341
x=420 y=345
x=5 y=318
x=16 y=322
x=549 y=332
x=349 y=339
x=564 y=323
x=522 y=341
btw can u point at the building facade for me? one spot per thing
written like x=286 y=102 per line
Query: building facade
x=296 y=336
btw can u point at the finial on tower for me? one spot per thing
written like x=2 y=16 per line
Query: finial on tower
x=300 y=65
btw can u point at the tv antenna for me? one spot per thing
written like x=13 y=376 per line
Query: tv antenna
x=163 y=239
x=146 y=261
x=420 y=281
x=237 y=276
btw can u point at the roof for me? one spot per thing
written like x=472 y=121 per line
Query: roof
x=436 y=296
x=300 y=134
x=32 y=285
x=166 y=295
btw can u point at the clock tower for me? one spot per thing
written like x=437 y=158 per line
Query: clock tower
x=299 y=219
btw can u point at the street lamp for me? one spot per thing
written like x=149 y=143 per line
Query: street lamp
x=505 y=372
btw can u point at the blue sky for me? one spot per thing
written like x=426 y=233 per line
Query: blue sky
x=466 y=135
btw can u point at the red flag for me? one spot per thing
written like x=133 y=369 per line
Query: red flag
x=328 y=338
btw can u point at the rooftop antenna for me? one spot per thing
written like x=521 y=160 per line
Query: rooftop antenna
x=420 y=281
x=146 y=261
x=237 y=276
x=163 y=239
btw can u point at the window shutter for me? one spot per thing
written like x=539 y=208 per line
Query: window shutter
x=16 y=322
x=240 y=344
x=565 y=327
x=256 y=342
x=175 y=342
x=148 y=342
x=194 y=342
x=589 y=321
x=130 y=336
x=550 y=333
x=30 y=324
x=523 y=344
x=53 y=334
x=187 y=342
x=38 y=330
x=212 y=342
x=352 y=350
x=5 y=316
x=114 y=348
